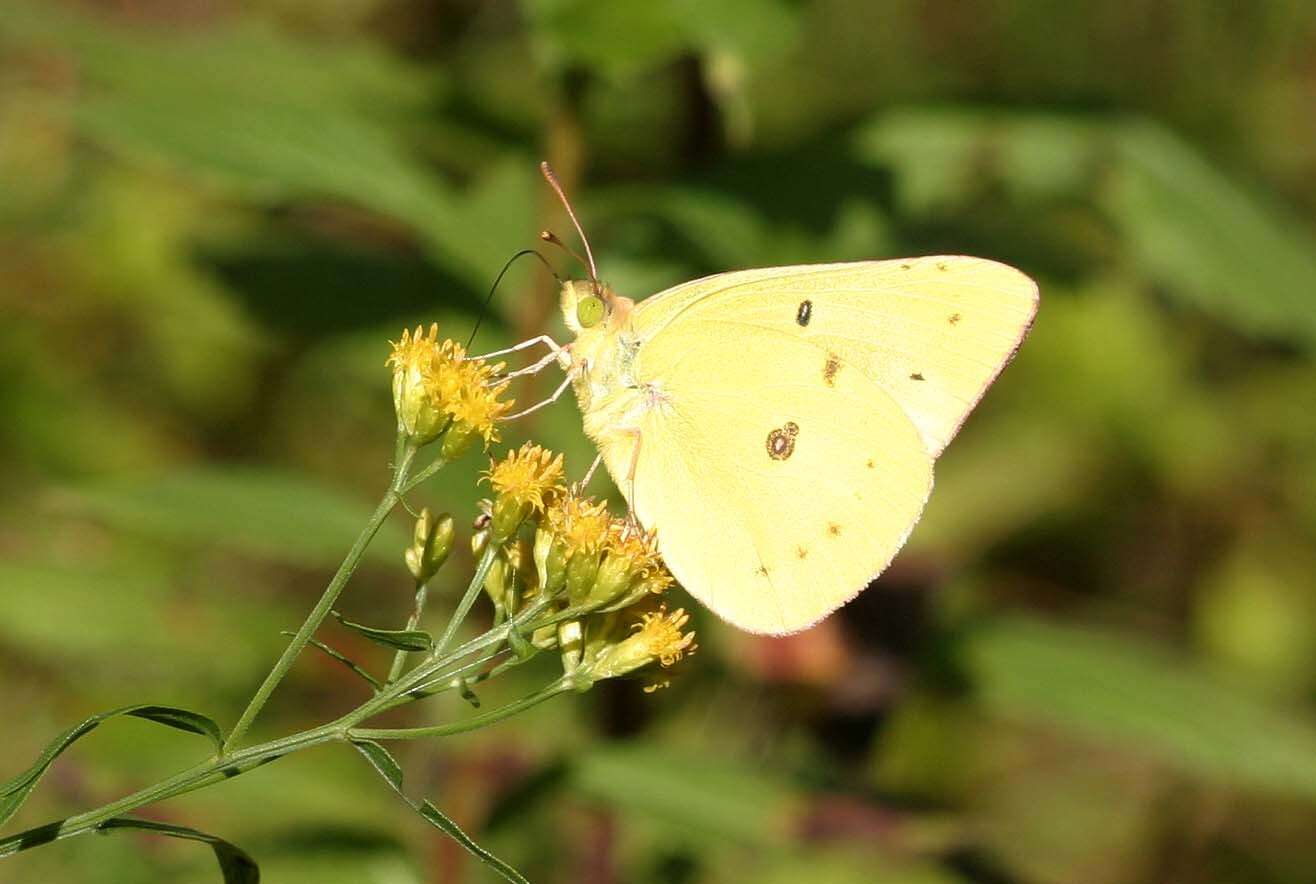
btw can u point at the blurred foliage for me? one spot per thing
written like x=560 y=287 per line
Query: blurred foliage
x=1096 y=662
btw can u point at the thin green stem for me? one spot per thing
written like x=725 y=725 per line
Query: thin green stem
x=561 y=686
x=438 y=464
x=400 y=658
x=468 y=600
x=433 y=685
x=326 y=603
x=428 y=673
x=207 y=773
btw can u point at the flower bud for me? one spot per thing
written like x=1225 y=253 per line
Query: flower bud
x=438 y=390
x=656 y=638
x=550 y=556
x=524 y=482
x=631 y=558
x=582 y=572
x=431 y=543
x=419 y=416
x=498 y=586
x=570 y=638
x=508 y=514
x=457 y=441
x=544 y=638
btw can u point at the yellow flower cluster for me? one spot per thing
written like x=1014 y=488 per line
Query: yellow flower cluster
x=523 y=483
x=436 y=388
x=655 y=635
x=596 y=576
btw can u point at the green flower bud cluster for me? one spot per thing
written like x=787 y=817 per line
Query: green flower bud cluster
x=431 y=543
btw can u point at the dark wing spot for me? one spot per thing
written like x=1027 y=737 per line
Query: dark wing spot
x=762 y=571
x=803 y=313
x=941 y=265
x=916 y=376
x=833 y=529
x=954 y=318
x=830 y=368
x=801 y=552
x=905 y=266
x=870 y=464
x=781 y=441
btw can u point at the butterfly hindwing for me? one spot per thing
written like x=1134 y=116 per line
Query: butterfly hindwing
x=780 y=481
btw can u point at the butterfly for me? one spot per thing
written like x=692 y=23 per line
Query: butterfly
x=777 y=427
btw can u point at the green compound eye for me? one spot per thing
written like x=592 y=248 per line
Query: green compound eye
x=589 y=311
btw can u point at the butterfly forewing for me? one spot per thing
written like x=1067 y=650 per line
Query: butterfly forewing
x=933 y=332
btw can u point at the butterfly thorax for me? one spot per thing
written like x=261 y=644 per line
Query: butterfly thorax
x=604 y=370
x=604 y=375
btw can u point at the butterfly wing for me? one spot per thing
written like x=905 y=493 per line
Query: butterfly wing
x=933 y=332
x=777 y=493
x=794 y=413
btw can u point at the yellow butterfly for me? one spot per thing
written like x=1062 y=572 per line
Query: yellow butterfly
x=777 y=427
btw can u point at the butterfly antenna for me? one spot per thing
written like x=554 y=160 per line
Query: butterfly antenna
x=551 y=178
x=552 y=238
x=484 y=306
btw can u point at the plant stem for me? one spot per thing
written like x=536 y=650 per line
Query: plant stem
x=438 y=464
x=400 y=658
x=468 y=600
x=322 y=607
x=212 y=771
x=561 y=686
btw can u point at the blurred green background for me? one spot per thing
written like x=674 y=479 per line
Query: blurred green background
x=1095 y=661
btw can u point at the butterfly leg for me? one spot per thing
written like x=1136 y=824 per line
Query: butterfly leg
x=557 y=350
x=535 y=367
x=630 y=477
x=589 y=474
x=557 y=394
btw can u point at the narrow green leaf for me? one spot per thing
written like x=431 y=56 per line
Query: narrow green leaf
x=341 y=658
x=440 y=820
x=398 y=639
x=383 y=761
x=235 y=863
x=14 y=792
x=181 y=719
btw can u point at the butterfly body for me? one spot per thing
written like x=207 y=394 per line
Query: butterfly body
x=777 y=427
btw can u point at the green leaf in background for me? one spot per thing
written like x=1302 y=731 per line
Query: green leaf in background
x=129 y=600
x=1209 y=240
x=235 y=863
x=940 y=155
x=247 y=108
x=384 y=762
x=1113 y=689
x=398 y=639
x=714 y=796
x=618 y=40
x=263 y=513
x=842 y=866
x=16 y=791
